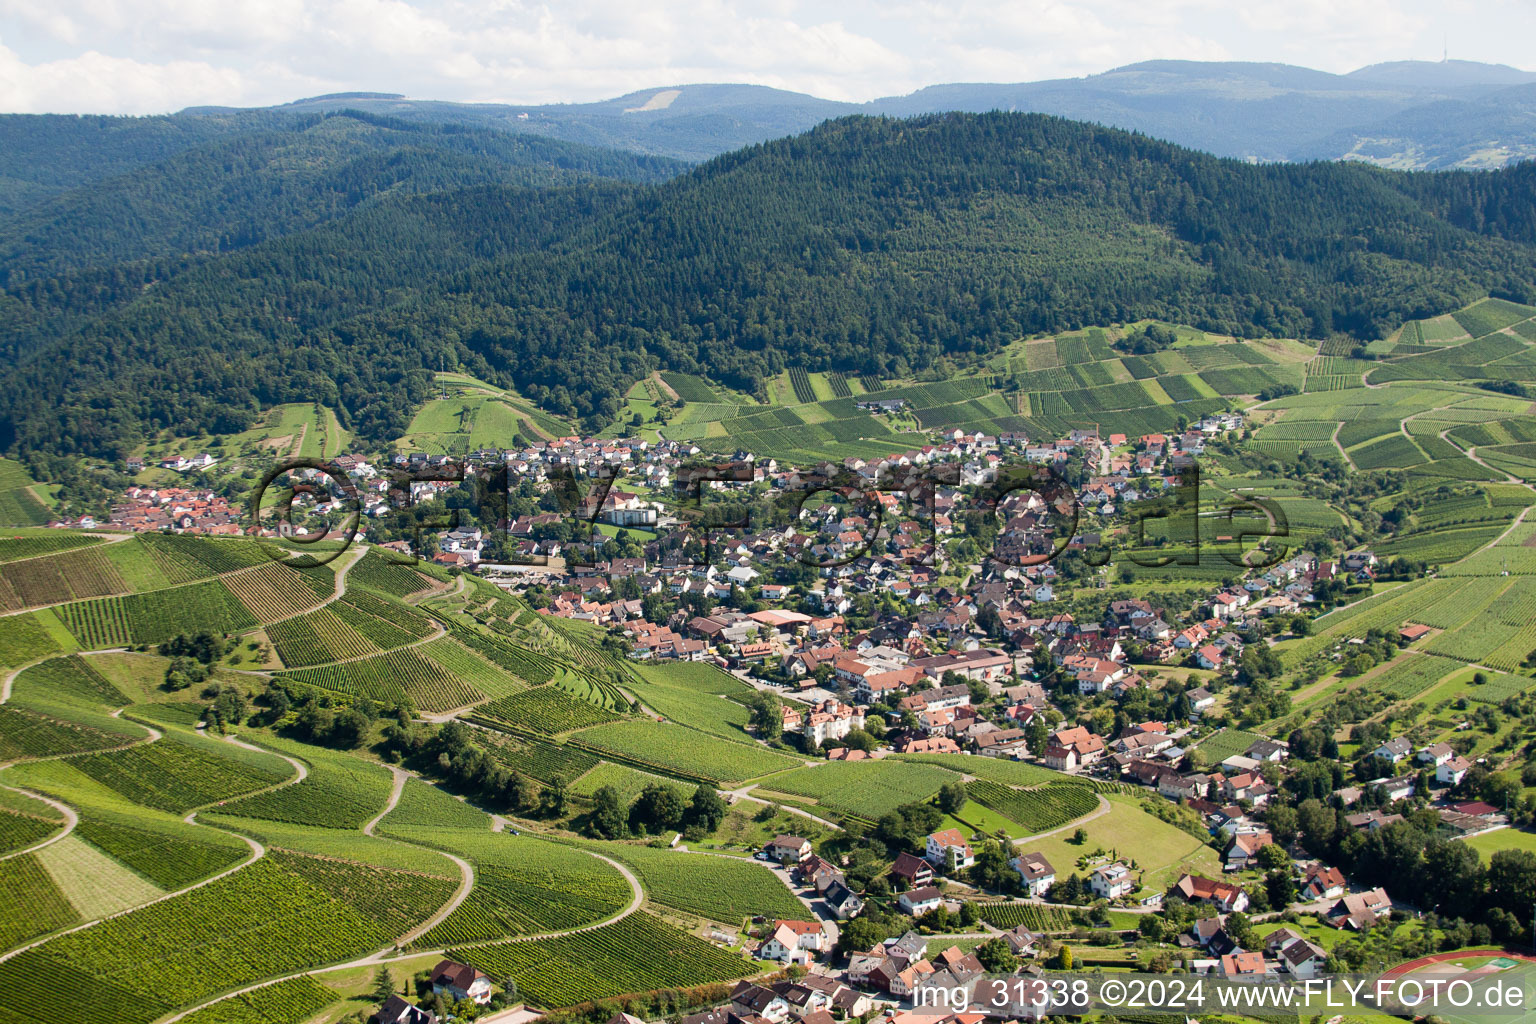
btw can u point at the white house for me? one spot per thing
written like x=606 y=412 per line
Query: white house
x=792 y=941
x=1451 y=772
x=1436 y=754
x=949 y=850
x=918 y=902
x=1111 y=881
x=459 y=982
x=1036 y=872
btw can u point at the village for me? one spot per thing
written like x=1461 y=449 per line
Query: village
x=880 y=631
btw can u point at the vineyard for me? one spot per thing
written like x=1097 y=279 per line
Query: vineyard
x=690 y=388
x=425 y=806
x=30 y=905
x=19 y=831
x=801 y=382
x=521 y=662
x=157 y=616
x=169 y=857
x=545 y=710
x=1411 y=674
x=404 y=675
x=134 y=968
x=184 y=559
x=1032 y=916
x=340 y=792
x=25 y=734
x=376 y=572
x=297 y=999
x=523 y=886
x=1226 y=743
x=386 y=623
x=19 y=506
x=71 y=679
x=1037 y=810
x=58 y=578
x=13 y=548
x=721 y=889
x=175 y=776
x=470 y=669
x=316 y=638
x=1499 y=689
x=355 y=626
x=623 y=780
x=865 y=789
x=696 y=700
x=541 y=760
x=996 y=769
x=675 y=750
x=275 y=591
x=24 y=638
x=604 y=963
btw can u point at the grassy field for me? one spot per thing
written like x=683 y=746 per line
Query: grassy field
x=1489 y=843
x=1161 y=851
x=95 y=884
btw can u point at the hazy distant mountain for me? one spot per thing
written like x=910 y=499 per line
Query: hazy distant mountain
x=1400 y=114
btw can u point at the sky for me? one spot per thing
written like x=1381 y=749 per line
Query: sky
x=156 y=56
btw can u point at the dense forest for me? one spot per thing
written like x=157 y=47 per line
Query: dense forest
x=866 y=245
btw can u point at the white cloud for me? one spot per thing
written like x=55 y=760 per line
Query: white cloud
x=132 y=56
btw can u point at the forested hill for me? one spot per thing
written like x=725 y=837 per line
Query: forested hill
x=263 y=177
x=866 y=245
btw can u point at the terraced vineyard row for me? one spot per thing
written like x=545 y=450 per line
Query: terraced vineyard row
x=156 y=616
x=12 y=548
x=376 y=572
x=174 y=776
x=25 y=734
x=185 y=558
x=135 y=968
x=276 y=591
x=1038 y=810
x=546 y=710
x=297 y=999
x=58 y=578
x=402 y=675
x=602 y=963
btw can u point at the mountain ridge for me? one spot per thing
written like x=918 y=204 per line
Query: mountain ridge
x=869 y=245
